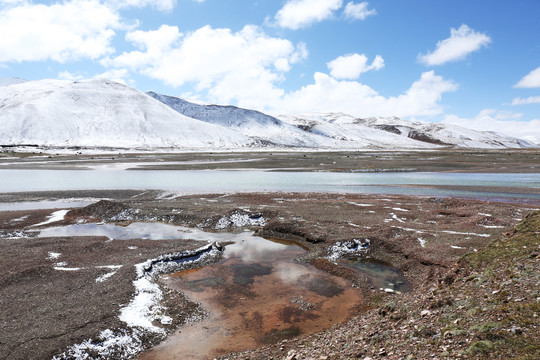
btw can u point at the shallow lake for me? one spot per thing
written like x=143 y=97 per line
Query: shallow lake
x=208 y=181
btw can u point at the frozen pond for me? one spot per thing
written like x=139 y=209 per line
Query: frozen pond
x=208 y=181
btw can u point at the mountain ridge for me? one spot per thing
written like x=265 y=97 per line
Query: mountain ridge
x=101 y=113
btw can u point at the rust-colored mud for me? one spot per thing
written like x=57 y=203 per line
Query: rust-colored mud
x=256 y=300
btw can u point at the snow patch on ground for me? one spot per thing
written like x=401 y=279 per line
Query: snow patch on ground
x=22 y=218
x=422 y=242
x=239 y=219
x=104 y=277
x=463 y=233
x=109 y=344
x=145 y=307
x=61 y=268
x=341 y=248
x=54 y=217
x=491 y=226
x=409 y=229
x=53 y=255
x=358 y=204
x=143 y=311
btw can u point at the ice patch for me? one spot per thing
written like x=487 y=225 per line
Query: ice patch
x=456 y=247
x=399 y=209
x=422 y=242
x=483 y=214
x=54 y=217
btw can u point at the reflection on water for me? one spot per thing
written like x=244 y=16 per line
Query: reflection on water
x=138 y=230
x=36 y=205
x=257 y=294
x=381 y=275
x=209 y=181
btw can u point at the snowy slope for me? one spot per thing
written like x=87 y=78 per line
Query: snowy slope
x=350 y=134
x=11 y=81
x=264 y=128
x=444 y=134
x=101 y=113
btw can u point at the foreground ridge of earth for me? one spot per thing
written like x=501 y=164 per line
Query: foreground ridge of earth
x=474 y=266
x=485 y=307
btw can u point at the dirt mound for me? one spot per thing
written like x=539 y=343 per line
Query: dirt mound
x=103 y=209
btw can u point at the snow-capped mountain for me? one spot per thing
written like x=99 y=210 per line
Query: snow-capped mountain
x=11 y=81
x=264 y=128
x=101 y=113
x=444 y=134
x=342 y=128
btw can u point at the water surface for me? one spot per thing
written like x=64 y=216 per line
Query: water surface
x=208 y=181
x=258 y=294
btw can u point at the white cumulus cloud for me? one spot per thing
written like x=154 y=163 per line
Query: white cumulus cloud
x=61 y=31
x=461 y=43
x=491 y=120
x=531 y=80
x=244 y=66
x=526 y=101
x=358 y=11
x=163 y=5
x=351 y=66
x=296 y=14
x=327 y=94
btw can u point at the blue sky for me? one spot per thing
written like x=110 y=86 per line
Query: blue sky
x=472 y=63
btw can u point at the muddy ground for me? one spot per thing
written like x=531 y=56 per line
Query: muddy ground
x=45 y=309
x=449 y=160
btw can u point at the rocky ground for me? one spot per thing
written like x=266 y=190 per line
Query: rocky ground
x=486 y=306
x=469 y=300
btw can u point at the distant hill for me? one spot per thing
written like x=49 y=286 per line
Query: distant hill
x=101 y=113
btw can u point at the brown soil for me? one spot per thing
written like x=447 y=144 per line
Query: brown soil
x=453 y=160
x=45 y=310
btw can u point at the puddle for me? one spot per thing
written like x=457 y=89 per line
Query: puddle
x=38 y=205
x=381 y=275
x=139 y=230
x=257 y=294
